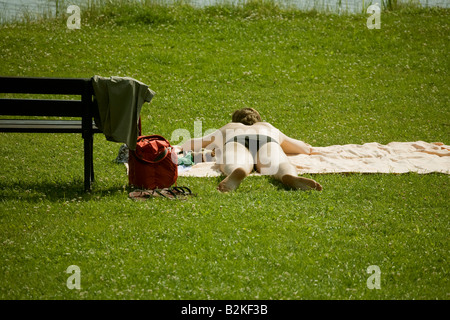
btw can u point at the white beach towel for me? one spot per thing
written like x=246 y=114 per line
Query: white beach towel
x=395 y=157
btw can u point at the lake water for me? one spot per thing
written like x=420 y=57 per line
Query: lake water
x=11 y=9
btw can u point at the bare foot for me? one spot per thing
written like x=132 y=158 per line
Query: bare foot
x=300 y=183
x=233 y=181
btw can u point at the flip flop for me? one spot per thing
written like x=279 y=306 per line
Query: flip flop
x=185 y=191
x=170 y=193
x=140 y=195
x=156 y=193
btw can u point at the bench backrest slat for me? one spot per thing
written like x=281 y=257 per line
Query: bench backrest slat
x=75 y=86
x=40 y=107
x=30 y=106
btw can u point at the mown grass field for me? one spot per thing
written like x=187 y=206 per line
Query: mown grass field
x=321 y=78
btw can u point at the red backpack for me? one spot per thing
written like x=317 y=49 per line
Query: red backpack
x=153 y=165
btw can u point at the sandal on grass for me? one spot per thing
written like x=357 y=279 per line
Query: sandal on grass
x=140 y=195
x=185 y=191
x=156 y=193
x=170 y=193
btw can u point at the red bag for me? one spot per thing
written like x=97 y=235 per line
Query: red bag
x=153 y=165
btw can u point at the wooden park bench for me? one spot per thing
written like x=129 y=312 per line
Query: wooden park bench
x=85 y=108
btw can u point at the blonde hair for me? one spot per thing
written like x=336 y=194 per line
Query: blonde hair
x=247 y=116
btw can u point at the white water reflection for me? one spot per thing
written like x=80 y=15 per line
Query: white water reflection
x=18 y=9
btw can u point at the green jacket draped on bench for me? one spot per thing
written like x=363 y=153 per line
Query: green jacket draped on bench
x=120 y=100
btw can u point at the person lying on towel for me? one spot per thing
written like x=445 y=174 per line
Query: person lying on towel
x=248 y=143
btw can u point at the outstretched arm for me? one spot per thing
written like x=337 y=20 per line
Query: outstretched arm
x=294 y=146
x=197 y=144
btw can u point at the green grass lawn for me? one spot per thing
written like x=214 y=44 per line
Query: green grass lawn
x=321 y=78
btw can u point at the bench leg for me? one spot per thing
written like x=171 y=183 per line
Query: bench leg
x=88 y=162
x=92 y=158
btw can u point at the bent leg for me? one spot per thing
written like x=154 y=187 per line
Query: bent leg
x=271 y=160
x=237 y=164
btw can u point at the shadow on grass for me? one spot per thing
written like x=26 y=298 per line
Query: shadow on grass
x=276 y=183
x=56 y=191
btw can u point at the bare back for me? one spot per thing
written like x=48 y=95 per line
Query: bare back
x=234 y=129
x=217 y=139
